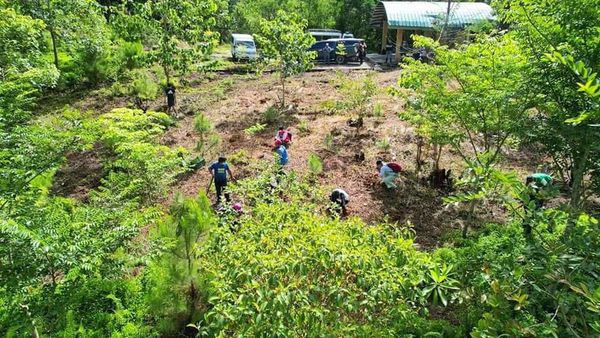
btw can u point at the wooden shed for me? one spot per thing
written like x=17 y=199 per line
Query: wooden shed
x=425 y=17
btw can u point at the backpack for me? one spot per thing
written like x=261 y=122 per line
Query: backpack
x=395 y=167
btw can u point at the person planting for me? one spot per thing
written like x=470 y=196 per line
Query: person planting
x=282 y=153
x=536 y=184
x=341 y=199
x=388 y=172
x=283 y=137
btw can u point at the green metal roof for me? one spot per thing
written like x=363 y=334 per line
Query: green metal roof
x=426 y=15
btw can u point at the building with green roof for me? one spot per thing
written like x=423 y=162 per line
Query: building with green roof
x=425 y=16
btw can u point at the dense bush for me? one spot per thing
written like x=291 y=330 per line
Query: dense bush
x=288 y=271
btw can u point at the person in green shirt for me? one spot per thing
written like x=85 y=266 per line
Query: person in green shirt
x=539 y=180
x=536 y=184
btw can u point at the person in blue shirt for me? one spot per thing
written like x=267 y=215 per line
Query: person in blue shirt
x=283 y=155
x=219 y=171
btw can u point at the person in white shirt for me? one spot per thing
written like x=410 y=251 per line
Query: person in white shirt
x=387 y=174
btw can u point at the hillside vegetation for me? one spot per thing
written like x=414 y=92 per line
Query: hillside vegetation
x=108 y=222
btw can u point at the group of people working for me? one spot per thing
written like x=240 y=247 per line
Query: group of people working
x=221 y=173
x=537 y=183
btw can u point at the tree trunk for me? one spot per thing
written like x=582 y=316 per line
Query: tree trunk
x=167 y=74
x=419 y=153
x=438 y=154
x=579 y=168
x=443 y=32
x=54 y=48
x=470 y=217
x=282 y=91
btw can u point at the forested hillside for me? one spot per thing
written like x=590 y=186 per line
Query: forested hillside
x=455 y=194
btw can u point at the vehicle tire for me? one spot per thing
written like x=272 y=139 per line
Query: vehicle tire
x=340 y=59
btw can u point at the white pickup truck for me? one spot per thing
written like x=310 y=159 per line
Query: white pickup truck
x=243 y=47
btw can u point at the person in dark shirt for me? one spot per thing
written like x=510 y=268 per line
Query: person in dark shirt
x=340 y=198
x=327 y=53
x=362 y=51
x=170 y=93
x=219 y=171
x=389 y=54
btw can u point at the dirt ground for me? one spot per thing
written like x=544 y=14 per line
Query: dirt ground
x=235 y=102
x=248 y=98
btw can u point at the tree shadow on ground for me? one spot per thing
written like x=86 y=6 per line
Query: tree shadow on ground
x=418 y=204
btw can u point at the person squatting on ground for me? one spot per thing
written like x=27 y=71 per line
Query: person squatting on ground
x=229 y=215
x=283 y=137
x=536 y=184
x=388 y=172
x=341 y=199
x=219 y=171
x=170 y=93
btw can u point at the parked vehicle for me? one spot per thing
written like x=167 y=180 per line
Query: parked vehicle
x=325 y=34
x=243 y=47
x=350 y=47
x=348 y=35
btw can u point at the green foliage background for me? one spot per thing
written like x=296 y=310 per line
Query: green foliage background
x=114 y=262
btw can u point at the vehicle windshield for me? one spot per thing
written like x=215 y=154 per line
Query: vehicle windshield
x=247 y=44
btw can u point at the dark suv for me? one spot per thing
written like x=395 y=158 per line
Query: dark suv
x=350 y=46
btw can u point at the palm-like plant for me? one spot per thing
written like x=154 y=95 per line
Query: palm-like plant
x=441 y=284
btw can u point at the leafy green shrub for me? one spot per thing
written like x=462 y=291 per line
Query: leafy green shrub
x=315 y=165
x=142 y=167
x=97 y=62
x=357 y=95
x=71 y=73
x=303 y=127
x=124 y=125
x=329 y=143
x=271 y=115
x=239 y=157
x=340 y=49
x=144 y=89
x=131 y=55
x=378 y=110
x=329 y=106
x=441 y=284
x=209 y=140
x=301 y=274
x=517 y=285
x=383 y=144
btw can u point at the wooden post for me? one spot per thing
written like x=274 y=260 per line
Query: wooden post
x=384 y=36
x=399 y=37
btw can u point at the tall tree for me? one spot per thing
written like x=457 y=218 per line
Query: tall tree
x=554 y=26
x=470 y=96
x=67 y=21
x=183 y=31
x=284 y=43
